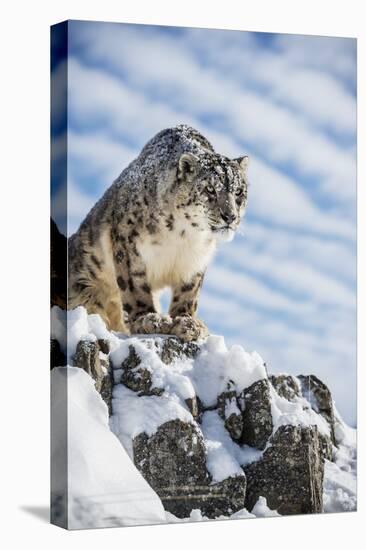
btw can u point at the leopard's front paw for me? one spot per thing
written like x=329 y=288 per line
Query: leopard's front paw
x=188 y=328
x=151 y=323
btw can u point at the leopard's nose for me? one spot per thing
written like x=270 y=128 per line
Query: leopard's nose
x=228 y=217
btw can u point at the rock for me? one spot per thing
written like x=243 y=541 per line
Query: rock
x=174 y=348
x=326 y=446
x=173 y=461
x=229 y=411
x=172 y=458
x=215 y=500
x=105 y=387
x=257 y=415
x=58 y=358
x=290 y=473
x=174 y=455
x=286 y=386
x=104 y=346
x=291 y=387
x=319 y=397
x=135 y=378
x=87 y=357
x=193 y=406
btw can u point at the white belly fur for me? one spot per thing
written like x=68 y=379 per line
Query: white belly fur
x=175 y=259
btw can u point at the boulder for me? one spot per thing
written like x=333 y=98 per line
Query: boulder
x=173 y=461
x=172 y=457
x=257 y=415
x=290 y=473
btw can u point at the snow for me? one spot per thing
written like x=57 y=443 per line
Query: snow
x=105 y=488
x=208 y=375
x=295 y=413
x=80 y=326
x=231 y=407
x=121 y=352
x=221 y=460
x=224 y=456
x=173 y=378
x=133 y=415
x=213 y=371
x=58 y=326
x=196 y=515
x=77 y=329
x=340 y=476
x=345 y=435
x=261 y=510
x=216 y=368
x=339 y=489
x=97 y=326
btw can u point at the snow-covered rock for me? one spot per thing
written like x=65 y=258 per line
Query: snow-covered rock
x=210 y=431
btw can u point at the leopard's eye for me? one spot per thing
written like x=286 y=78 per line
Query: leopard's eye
x=210 y=189
x=239 y=192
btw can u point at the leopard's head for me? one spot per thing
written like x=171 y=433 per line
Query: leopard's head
x=217 y=190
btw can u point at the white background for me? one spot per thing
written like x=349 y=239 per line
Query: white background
x=24 y=218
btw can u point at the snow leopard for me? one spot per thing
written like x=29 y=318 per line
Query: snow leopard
x=157 y=226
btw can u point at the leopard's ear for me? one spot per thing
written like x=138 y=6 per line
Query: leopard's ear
x=188 y=166
x=243 y=163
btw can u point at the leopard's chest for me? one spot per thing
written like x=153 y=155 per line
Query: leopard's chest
x=175 y=255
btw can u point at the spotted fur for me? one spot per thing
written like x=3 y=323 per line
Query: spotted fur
x=157 y=226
